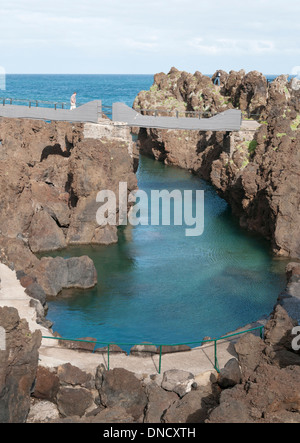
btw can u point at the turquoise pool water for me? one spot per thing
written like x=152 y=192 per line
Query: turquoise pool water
x=158 y=285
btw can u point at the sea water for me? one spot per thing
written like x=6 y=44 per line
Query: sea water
x=156 y=284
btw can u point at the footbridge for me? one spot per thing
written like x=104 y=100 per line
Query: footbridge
x=94 y=111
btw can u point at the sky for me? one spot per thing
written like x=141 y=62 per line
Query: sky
x=149 y=36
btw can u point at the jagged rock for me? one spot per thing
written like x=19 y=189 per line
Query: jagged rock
x=40 y=313
x=73 y=401
x=250 y=350
x=159 y=401
x=192 y=408
x=233 y=411
x=43 y=412
x=278 y=330
x=230 y=375
x=35 y=291
x=46 y=385
x=71 y=375
x=15 y=251
x=120 y=388
x=18 y=366
x=55 y=175
x=55 y=274
x=44 y=234
x=253 y=171
x=178 y=381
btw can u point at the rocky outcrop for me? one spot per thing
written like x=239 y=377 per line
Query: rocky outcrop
x=18 y=366
x=48 y=199
x=268 y=391
x=115 y=396
x=55 y=274
x=55 y=173
x=261 y=183
x=256 y=171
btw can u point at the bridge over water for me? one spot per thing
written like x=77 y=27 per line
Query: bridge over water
x=94 y=111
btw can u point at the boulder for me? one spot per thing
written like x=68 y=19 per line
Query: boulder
x=143 y=350
x=45 y=234
x=168 y=349
x=71 y=375
x=55 y=274
x=250 y=351
x=278 y=330
x=177 y=381
x=233 y=411
x=120 y=388
x=18 y=366
x=46 y=385
x=34 y=290
x=17 y=255
x=43 y=412
x=159 y=401
x=192 y=408
x=230 y=375
x=73 y=401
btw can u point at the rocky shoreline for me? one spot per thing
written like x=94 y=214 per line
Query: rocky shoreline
x=50 y=175
x=259 y=383
x=255 y=169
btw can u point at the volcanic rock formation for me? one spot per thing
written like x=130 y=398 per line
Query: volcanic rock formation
x=256 y=171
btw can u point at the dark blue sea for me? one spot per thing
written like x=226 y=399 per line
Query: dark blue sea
x=156 y=284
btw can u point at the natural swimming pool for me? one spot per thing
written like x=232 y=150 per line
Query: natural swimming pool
x=157 y=285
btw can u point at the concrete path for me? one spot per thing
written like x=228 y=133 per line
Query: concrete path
x=229 y=120
x=250 y=125
x=89 y=112
x=198 y=361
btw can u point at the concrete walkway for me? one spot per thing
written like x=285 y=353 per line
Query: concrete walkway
x=198 y=361
x=89 y=112
x=229 y=120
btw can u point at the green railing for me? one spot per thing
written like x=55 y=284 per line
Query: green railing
x=160 y=346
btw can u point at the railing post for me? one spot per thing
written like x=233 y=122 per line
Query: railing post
x=108 y=357
x=216 y=358
x=160 y=353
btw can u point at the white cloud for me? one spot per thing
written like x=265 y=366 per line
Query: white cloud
x=232 y=46
x=156 y=32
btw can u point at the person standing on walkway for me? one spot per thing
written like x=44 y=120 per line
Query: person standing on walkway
x=218 y=78
x=73 y=101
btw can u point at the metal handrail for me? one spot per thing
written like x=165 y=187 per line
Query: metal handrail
x=198 y=114
x=160 y=346
x=35 y=103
